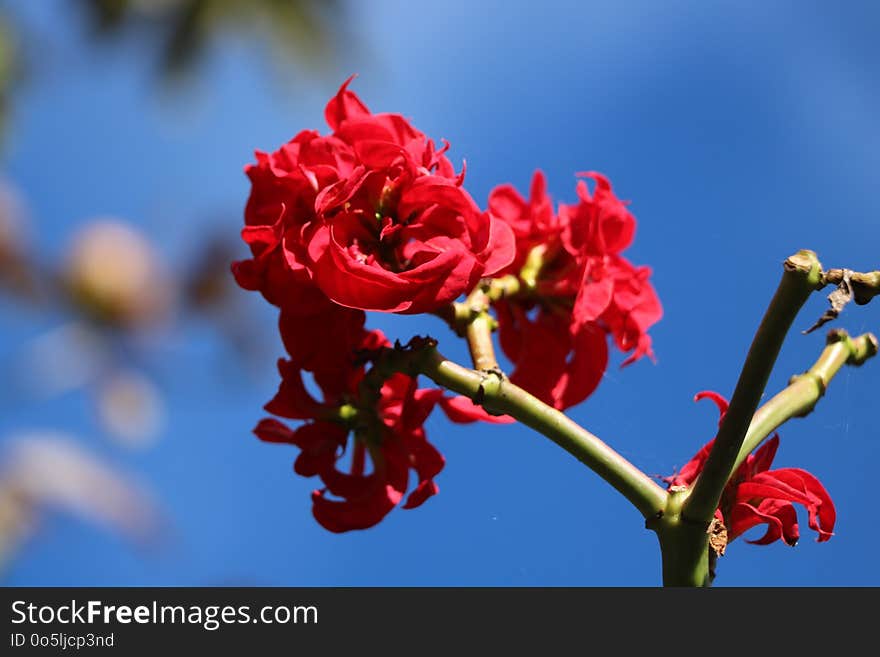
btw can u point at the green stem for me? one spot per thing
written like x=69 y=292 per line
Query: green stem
x=478 y=328
x=487 y=385
x=460 y=315
x=682 y=519
x=802 y=273
x=805 y=390
x=684 y=528
x=531 y=268
x=479 y=339
x=499 y=396
x=683 y=545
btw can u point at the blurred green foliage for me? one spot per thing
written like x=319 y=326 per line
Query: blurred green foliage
x=8 y=68
x=302 y=29
x=306 y=32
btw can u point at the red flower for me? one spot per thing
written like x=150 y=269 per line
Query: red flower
x=578 y=289
x=283 y=190
x=756 y=495
x=373 y=215
x=558 y=364
x=321 y=337
x=388 y=433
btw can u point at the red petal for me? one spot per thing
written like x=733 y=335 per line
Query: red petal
x=780 y=517
x=500 y=246
x=292 y=399
x=368 y=499
x=761 y=460
x=507 y=204
x=800 y=486
x=586 y=366
x=689 y=472
x=616 y=226
x=354 y=284
x=345 y=104
x=462 y=410
x=544 y=348
x=273 y=431
x=320 y=443
x=592 y=299
x=720 y=401
x=427 y=462
x=343 y=516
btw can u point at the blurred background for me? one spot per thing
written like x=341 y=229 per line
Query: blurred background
x=741 y=131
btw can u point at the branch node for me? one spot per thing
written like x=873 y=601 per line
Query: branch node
x=864 y=347
x=838 y=300
x=836 y=335
x=804 y=262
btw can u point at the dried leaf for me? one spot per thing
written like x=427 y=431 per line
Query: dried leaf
x=838 y=299
x=717 y=537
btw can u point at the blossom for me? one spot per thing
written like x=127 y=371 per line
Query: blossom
x=756 y=495
x=382 y=429
x=321 y=337
x=281 y=202
x=577 y=289
x=373 y=216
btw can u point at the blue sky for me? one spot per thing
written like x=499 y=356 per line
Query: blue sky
x=741 y=132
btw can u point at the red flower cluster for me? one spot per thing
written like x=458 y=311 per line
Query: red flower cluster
x=756 y=495
x=386 y=426
x=578 y=289
x=372 y=216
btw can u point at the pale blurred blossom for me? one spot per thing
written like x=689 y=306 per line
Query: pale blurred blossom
x=43 y=472
x=131 y=409
x=114 y=275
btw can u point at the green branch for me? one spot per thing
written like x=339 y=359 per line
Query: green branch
x=801 y=275
x=685 y=544
x=805 y=390
x=499 y=396
x=682 y=518
x=478 y=327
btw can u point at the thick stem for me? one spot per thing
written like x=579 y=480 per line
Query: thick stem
x=802 y=273
x=499 y=396
x=684 y=550
x=684 y=543
x=684 y=546
x=683 y=530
